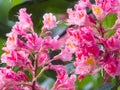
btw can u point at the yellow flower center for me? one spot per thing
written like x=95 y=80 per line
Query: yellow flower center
x=97 y=10
x=70 y=45
x=90 y=61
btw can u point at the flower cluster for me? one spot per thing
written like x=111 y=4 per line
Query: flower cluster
x=93 y=48
x=87 y=45
x=27 y=51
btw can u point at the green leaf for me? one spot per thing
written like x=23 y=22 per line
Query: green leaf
x=5 y=6
x=46 y=81
x=118 y=88
x=59 y=30
x=29 y=75
x=2 y=64
x=16 y=68
x=53 y=53
x=17 y=2
x=50 y=73
x=80 y=85
x=111 y=33
x=3 y=30
x=2 y=43
x=42 y=78
x=89 y=82
x=109 y=20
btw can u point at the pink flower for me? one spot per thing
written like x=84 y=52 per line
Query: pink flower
x=112 y=43
x=19 y=28
x=111 y=66
x=98 y=12
x=110 y=6
x=9 y=79
x=85 y=44
x=15 y=58
x=33 y=42
x=65 y=55
x=68 y=83
x=25 y=19
x=25 y=23
x=71 y=43
x=104 y=7
x=69 y=47
x=85 y=65
x=82 y=34
x=21 y=88
x=49 y=21
x=11 y=42
x=84 y=41
x=82 y=4
x=74 y=33
x=77 y=17
x=118 y=67
x=53 y=44
x=9 y=58
x=42 y=58
x=63 y=82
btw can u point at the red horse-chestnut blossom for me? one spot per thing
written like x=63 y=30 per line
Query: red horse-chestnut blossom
x=87 y=45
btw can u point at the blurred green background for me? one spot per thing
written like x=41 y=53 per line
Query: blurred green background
x=8 y=12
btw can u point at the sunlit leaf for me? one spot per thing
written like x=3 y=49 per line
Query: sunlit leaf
x=118 y=88
x=109 y=20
